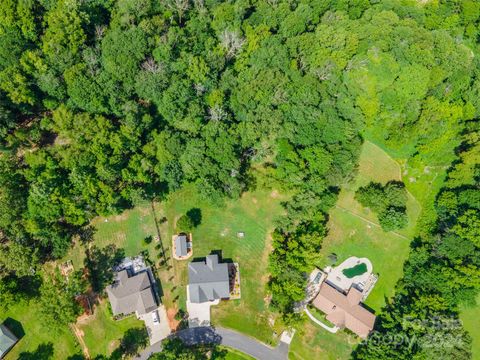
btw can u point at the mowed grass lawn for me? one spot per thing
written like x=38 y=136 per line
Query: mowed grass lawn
x=314 y=342
x=126 y=230
x=252 y=214
x=354 y=231
x=26 y=323
x=469 y=316
x=102 y=334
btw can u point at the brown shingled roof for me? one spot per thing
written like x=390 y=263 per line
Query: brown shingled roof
x=131 y=294
x=345 y=310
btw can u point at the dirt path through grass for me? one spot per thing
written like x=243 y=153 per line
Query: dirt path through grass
x=79 y=335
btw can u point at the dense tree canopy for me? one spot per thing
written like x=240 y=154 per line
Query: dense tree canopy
x=106 y=103
x=388 y=201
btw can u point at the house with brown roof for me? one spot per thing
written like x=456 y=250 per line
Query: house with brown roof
x=345 y=310
x=132 y=293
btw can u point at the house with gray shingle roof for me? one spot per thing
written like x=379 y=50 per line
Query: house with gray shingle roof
x=132 y=294
x=7 y=340
x=208 y=280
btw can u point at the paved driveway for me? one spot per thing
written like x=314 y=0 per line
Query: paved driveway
x=157 y=332
x=252 y=346
x=199 y=314
x=227 y=337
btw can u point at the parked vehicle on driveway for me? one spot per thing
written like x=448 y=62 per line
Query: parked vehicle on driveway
x=156 y=319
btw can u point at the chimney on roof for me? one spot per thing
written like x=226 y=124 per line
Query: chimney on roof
x=211 y=259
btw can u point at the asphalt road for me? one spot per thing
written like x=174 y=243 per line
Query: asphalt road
x=227 y=337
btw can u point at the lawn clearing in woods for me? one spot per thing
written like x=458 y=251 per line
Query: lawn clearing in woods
x=253 y=214
x=355 y=231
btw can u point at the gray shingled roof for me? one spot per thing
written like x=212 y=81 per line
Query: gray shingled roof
x=7 y=340
x=181 y=245
x=208 y=280
x=131 y=294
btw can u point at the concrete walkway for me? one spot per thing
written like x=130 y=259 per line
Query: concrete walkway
x=227 y=337
x=332 y=329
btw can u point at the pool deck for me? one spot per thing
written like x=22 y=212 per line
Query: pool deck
x=336 y=277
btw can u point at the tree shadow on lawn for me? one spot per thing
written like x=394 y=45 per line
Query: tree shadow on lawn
x=195 y=214
x=132 y=342
x=43 y=352
x=86 y=234
x=76 y=357
x=100 y=264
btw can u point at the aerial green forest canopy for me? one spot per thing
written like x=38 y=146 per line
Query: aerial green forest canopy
x=107 y=103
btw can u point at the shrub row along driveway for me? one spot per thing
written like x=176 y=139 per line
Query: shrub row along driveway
x=226 y=337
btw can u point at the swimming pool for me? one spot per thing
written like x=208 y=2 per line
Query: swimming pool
x=358 y=269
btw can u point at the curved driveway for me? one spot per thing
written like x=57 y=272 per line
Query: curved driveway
x=227 y=337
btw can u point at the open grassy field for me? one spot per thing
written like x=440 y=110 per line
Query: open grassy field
x=26 y=323
x=469 y=316
x=102 y=334
x=314 y=342
x=126 y=230
x=252 y=214
x=354 y=231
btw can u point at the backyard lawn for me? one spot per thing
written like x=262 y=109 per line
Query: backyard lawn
x=36 y=341
x=252 y=214
x=314 y=342
x=126 y=230
x=354 y=231
x=102 y=334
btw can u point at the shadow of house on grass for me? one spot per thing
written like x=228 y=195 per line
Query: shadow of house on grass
x=219 y=253
x=221 y=259
x=15 y=327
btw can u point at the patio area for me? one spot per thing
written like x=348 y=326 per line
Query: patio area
x=339 y=276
